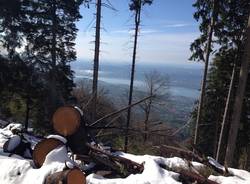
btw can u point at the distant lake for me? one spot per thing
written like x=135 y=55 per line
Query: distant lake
x=174 y=90
x=183 y=81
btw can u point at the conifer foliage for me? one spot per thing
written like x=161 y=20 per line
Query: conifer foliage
x=229 y=37
x=39 y=37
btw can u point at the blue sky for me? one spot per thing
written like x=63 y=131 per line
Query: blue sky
x=167 y=30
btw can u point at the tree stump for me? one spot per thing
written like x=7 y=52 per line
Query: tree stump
x=42 y=149
x=72 y=176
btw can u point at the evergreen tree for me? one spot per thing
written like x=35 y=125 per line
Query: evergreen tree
x=39 y=73
x=229 y=35
x=51 y=46
x=10 y=25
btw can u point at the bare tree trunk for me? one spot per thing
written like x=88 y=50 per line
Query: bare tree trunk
x=96 y=58
x=137 y=24
x=233 y=132
x=27 y=112
x=226 y=112
x=203 y=85
x=216 y=133
x=248 y=158
x=147 y=113
x=146 y=121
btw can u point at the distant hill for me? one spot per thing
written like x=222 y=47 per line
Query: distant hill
x=114 y=79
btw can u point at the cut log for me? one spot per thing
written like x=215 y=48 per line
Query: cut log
x=42 y=149
x=72 y=176
x=69 y=122
x=66 y=120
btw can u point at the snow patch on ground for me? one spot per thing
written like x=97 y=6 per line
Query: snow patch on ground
x=16 y=169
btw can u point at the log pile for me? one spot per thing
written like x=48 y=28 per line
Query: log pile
x=68 y=122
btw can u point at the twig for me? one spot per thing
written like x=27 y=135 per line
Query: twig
x=181 y=128
x=112 y=121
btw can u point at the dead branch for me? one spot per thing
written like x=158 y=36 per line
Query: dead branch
x=189 y=155
x=129 y=165
x=181 y=128
x=121 y=110
x=188 y=176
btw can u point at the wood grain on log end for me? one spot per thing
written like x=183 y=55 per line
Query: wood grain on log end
x=66 y=120
x=42 y=149
x=72 y=176
x=75 y=176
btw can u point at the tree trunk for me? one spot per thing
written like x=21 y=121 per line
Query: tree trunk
x=237 y=109
x=96 y=59
x=248 y=158
x=204 y=80
x=67 y=121
x=137 y=24
x=146 y=121
x=27 y=112
x=226 y=112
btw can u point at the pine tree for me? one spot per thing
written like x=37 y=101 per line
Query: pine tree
x=229 y=35
x=239 y=98
x=40 y=73
x=10 y=25
x=51 y=42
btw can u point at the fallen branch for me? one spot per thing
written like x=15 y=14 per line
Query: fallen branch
x=189 y=155
x=181 y=128
x=121 y=110
x=189 y=176
x=129 y=166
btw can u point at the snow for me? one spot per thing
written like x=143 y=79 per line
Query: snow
x=239 y=177
x=58 y=137
x=14 y=141
x=16 y=169
x=152 y=174
x=58 y=155
x=79 y=110
x=213 y=162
